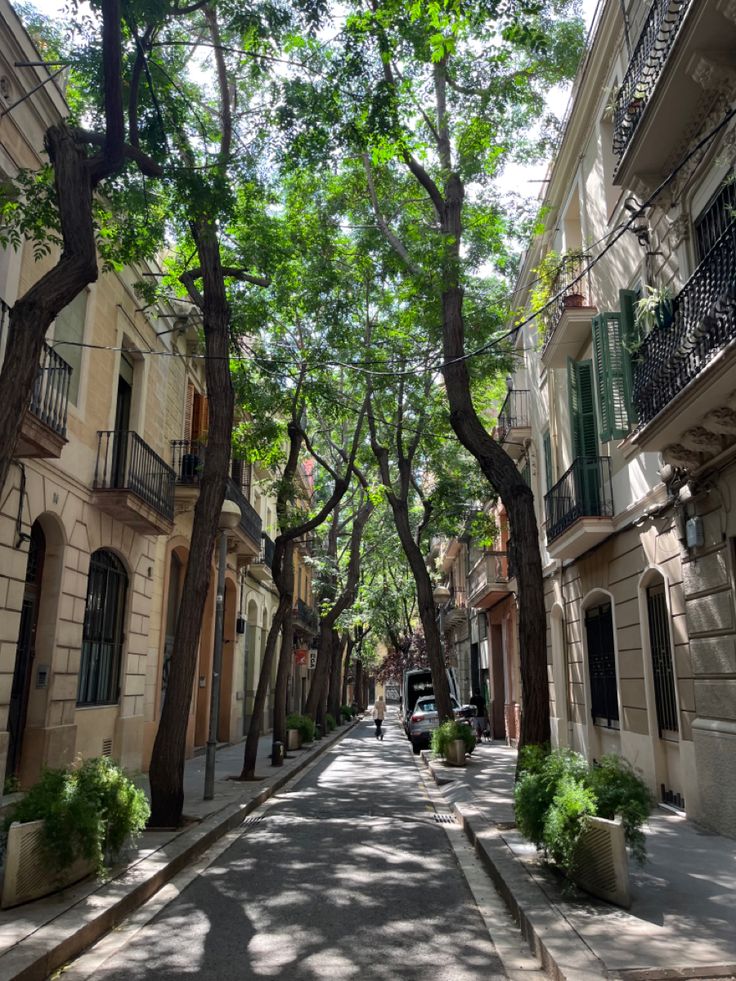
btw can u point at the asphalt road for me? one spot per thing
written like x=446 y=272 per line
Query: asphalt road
x=345 y=875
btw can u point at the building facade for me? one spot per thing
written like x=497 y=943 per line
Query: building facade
x=625 y=389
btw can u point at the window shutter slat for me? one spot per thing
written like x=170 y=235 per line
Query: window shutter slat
x=612 y=372
x=627 y=304
x=574 y=403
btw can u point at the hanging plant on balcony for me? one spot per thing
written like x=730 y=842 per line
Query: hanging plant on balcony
x=653 y=310
x=549 y=282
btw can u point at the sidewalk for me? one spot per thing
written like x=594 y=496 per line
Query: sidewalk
x=682 y=921
x=38 y=937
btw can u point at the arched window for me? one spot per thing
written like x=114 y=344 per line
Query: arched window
x=602 y=666
x=102 y=641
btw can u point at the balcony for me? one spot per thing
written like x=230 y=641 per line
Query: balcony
x=579 y=508
x=683 y=377
x=455 y=610
x=133 y=484
x=681 y=65
x=260 y=568
x=514 y=425
x=187 y=462
x=305 y=618
x=43 y=430
x=490 y=580
x=567 y=323
x=247 y=534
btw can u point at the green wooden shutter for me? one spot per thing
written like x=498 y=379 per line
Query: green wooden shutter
x=548 y=471
x=586 y=395
x=574 y=403
x=627 y=304
x=613 y=376
x=584 y=434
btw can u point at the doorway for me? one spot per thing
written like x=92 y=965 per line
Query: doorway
x=122 y=421
x=25 y=650
x=498 y=689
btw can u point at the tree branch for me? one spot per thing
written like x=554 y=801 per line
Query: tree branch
x=393 y=240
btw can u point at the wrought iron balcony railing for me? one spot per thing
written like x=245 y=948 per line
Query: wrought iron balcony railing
x=514 y=413
x=250 y=520
x=645 y=67
x=187 y=460
x=267 y=550
x=126 y=462
x=492 y=567
x=572 y=282
x=50 y=395
x=307 y=615
x=703 y=323
x=583 y=491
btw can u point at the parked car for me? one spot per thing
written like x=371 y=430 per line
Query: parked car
x=423 y=720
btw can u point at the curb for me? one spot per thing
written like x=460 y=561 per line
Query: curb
x=561 y=950
x=81 y=925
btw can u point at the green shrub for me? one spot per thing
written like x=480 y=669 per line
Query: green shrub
x=557 y=791
x=346 y=711
x=330 y=722
x=537 y=786
x=304 y=724
x=564 y=821
x=448 y=732
x=619 y=791
x=89 y=811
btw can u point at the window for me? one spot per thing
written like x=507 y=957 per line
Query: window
x=68 y=336
x=102 y=639
x=548 y=469
x=662 y=670
x=612 y=334
x=584 y=435
x=715 y=218
x=602 y=666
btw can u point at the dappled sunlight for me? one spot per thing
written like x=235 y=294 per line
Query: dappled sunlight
x=347 y=875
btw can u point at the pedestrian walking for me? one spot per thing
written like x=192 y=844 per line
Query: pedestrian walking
x=379 y=712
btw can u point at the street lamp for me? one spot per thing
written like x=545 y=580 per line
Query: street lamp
x=230 y=516
x=440 y=595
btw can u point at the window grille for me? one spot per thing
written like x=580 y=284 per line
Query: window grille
x=102 y=639
x=602 y=666
x=664 y=675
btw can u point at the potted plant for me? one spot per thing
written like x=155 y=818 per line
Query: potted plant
x=453 y=741
x=303 y=725
x=581 y=816
x=654 y=309
x=71 y=823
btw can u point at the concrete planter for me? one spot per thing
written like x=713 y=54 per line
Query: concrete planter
x=601 y=863
x=27 y=875
x=455 y=753
x=293 y=739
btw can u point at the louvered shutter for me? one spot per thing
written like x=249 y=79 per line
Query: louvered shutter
x=613 y=376
x=574 y=404
x=188 y=409
x=548 y=470
x=627 y=305
x=585 y=435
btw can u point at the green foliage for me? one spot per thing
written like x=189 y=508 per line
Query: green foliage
x=564 y=820
x=89 y=811
x=304 y=724
x=346 y=711
x=330 y=722
x=448 y=732
x=557 y=790
x=620 y=792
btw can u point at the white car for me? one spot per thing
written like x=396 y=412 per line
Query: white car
x=424 y=720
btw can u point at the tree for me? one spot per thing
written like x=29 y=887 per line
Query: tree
x=62 y=211
x=435 y=98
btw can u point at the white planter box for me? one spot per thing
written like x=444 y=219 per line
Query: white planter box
x=455 y=753
x=27 y=875
x=293 y=739
x=601 y=864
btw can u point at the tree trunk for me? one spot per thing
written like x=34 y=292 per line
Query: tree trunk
x=321 y=670
x=167 y=762
x=333 y=697
x=349 y=645
x=282 y=676
x=427 y=612
x=33 y=314
x=518 y=500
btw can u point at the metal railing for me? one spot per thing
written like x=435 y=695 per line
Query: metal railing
x=703 y=323
x=49 y=400
x=267 y=549
x=187 y=460
x=514 y=413
x=306 y=614
x=645 y=67
x=250 y=520
x=50 y=395
x=126 y=462
x=573 y=285
x=492 y=567
x=583 y=491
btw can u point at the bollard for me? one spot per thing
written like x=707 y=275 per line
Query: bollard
x=277 y=753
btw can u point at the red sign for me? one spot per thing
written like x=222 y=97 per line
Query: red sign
x=300 y=656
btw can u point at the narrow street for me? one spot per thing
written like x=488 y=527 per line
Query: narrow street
x=346 y=874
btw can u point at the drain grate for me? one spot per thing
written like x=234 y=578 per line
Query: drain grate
x=249 y=822
x=445 y=818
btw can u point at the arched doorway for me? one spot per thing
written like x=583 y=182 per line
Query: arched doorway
x=26 y=648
